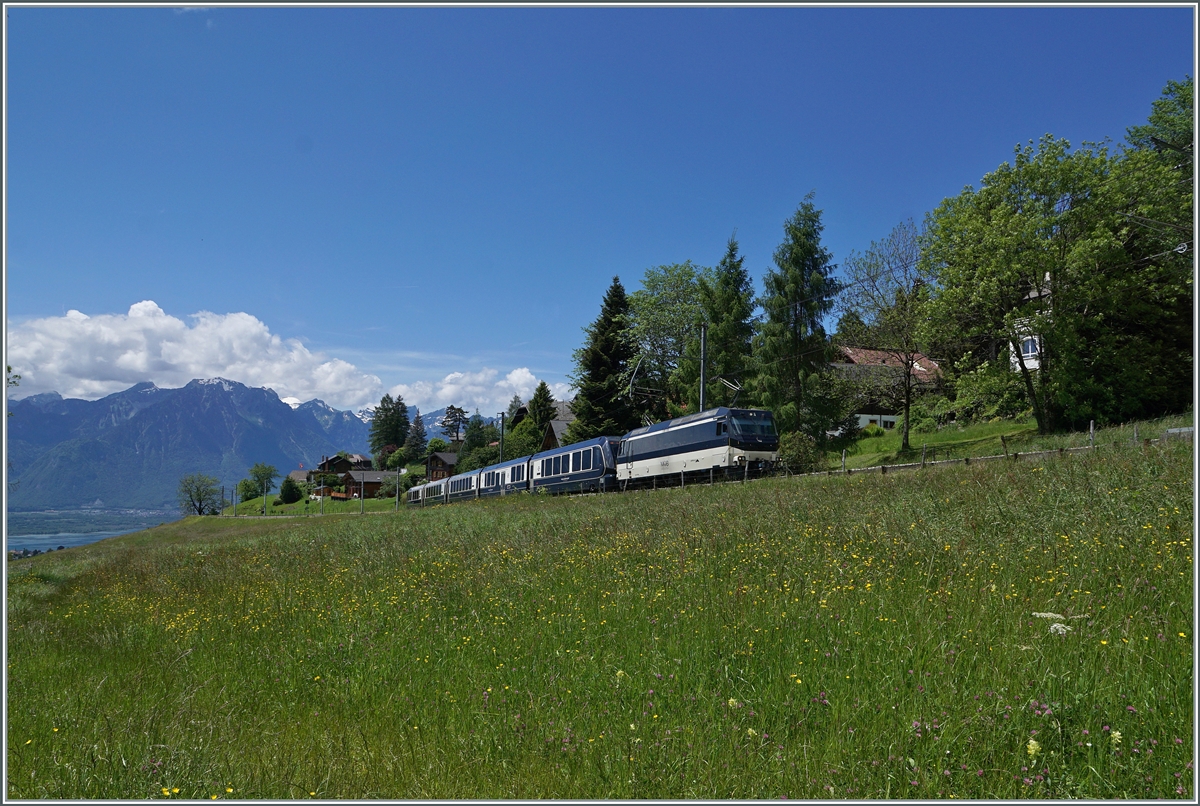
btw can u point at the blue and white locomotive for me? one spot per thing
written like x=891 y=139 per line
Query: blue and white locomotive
x=721 y=439
x=724 y=439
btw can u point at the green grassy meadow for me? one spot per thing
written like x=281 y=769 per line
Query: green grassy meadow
x=984 y=439
x=842 y=637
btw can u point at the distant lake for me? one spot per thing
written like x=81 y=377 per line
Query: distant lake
x=64 y=539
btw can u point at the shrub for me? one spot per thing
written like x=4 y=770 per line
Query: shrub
x=289 y=491
x=871 y=431
x=798 y=451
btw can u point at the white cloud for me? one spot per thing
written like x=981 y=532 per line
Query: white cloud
x=92 y=356
x=483 y=390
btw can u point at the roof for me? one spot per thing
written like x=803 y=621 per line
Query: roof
x=370 y=476
x=298 y=475
x=924 y=368
x=562 y=410
x=447 y=458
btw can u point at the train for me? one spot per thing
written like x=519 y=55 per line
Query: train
x=724 y=442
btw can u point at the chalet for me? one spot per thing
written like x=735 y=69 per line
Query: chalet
x=859 y=362
x=364 y=483
x=440 y=465
x=343 y=464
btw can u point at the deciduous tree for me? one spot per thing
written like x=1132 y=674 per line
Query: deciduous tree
x=199 y=495
x=663 y=314
x=887 y=287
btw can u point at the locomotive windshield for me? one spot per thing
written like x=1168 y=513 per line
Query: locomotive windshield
x=761 y=425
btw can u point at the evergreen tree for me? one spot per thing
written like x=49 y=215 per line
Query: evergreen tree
x=513 y=405
x=414 y=443
x=727 y=305
x=541 y=406
x=792 y=348
x=289 y=491
x=389 y=427
x=453 y=422
x=601 y=406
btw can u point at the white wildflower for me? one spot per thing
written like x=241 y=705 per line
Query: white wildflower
x=1050 y=615
x=1059 y=629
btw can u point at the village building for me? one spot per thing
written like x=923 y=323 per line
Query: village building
x=884 y=367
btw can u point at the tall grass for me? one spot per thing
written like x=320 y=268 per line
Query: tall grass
x=844 y=637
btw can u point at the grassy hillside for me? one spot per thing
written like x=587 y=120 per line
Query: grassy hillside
x=845 y=637
x=985 y=439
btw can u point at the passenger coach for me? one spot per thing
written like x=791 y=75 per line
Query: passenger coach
x=587 y=466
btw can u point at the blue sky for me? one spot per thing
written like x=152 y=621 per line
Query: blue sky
x=434 y=200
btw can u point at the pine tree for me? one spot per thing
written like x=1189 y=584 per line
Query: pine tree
x=513 y=405
x=453 y=422
x=727 y=302
x=389 y=428
x=415 y=442
x=600 y=406
x=541 y=406
x=792 y=348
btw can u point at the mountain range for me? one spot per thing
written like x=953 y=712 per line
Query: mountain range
x=130 y=449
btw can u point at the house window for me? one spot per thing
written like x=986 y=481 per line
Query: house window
x=1029 y=347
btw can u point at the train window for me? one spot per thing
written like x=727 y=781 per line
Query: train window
x=518 y=473
x=587 y=460
x=597 y=462
x=557 y=465
x=576 y=461
x=720 y=427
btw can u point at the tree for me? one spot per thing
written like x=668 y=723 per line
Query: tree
x=289 y=491
x=887 y=287
x=791 y=347
x=389 y=428
x=513 y=405
x=852 y=331
x=541 y=406
x=601 y=366
x=437 y=445
x=524 y=439
x=1075 y=264
x=726 y=296
x=263 y=476
x=415 y=442
x=198 y=495
x=1169 y=130
x=663 y=314
x=453 y=422
x=247 y=490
